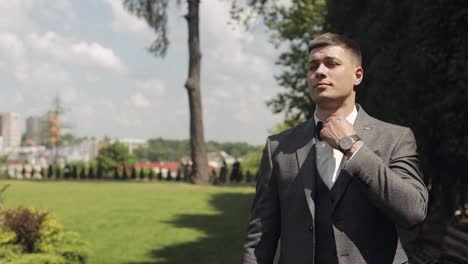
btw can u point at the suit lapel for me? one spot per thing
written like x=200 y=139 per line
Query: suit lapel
x=363 y=128
x=305 y=156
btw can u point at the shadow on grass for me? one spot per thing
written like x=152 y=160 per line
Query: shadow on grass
x=225 y=233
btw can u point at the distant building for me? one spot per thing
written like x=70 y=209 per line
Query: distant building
x=33 y=130
x=9 y=129
x=84 y=151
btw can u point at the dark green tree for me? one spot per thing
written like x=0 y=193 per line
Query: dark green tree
x=116 y=173
x=58 y=172
x=151 y=174
x=142 y=174
x=168 y=175
x=100 y=171
x=113 y=155
x=66 y=172
x=160 y=177
x=23 y=171
x=74 y=172
x=83 y=173
x=179 y=175
x=124 y=173
x=248 y=176
x=50 y=172
x=133 y=173
x=91 y=172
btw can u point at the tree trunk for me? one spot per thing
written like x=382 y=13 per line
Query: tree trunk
x=200 y=172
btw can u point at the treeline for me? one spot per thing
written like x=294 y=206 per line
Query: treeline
x=95 y=171
x=160 y=149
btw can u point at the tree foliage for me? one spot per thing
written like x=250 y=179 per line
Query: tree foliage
x=114 y=155
x=291 y=27
x=159 y=149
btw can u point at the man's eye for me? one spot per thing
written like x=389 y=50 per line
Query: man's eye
x=312 y=66
x=332 y=64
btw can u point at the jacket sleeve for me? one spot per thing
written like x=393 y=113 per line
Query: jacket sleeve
x=264 y=227
x=398 y=188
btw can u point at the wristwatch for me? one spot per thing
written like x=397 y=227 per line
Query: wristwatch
x=347 y=143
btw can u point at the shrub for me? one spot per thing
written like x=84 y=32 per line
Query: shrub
x=50 y=172
x=133 y=173
x=151 y=174
x=26 y=225
x=179 y=175
x=91 y=173
x=142 y=174
x=248 y=176
x=83 y=174
x=33 y=236
x=116 y=173
x=125 y=173
x=58 y=172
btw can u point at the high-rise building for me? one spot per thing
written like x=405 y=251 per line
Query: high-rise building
x=33 y=130
x=9 y=129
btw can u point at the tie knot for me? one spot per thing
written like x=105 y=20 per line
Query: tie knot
x=319 y=128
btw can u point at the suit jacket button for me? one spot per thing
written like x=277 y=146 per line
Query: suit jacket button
x=311 y=228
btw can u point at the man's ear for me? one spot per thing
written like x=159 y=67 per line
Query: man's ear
x=358 y=75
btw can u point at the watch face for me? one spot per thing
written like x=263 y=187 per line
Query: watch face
x=346 y=143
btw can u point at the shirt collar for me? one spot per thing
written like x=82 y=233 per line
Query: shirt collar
x=351 y=117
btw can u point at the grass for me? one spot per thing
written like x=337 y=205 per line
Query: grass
x=145 y=222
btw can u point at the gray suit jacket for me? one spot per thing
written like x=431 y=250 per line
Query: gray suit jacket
x=381 y=187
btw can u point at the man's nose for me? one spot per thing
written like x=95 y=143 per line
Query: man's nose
x=321 y=70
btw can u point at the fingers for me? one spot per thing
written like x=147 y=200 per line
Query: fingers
x=335 y=129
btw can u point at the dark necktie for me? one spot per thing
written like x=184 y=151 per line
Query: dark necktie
x=319 y=128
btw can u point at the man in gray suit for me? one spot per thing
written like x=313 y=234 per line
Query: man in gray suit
x=334 y=188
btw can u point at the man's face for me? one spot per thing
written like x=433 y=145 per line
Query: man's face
x=333 y=73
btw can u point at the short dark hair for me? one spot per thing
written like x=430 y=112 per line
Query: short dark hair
x=330 y=39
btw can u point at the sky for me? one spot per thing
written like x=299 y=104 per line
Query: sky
x=93 y=54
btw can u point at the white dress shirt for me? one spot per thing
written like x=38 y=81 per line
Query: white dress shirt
x=328 y=159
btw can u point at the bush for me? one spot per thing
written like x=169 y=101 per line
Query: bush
x=50 y=172
x=133 y=173
x=142 y=174
x=33 y=236
x=124 y=174
x=151 y=174
x=26 y=225
x=116 y=173
x=160 y=177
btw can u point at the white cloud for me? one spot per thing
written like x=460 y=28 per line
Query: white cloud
x=85 y=112
x=77 y=52
x=106 y=103
x=68 y=94
x=11 y=45
x=98 y=55
x=138 y=100
x=123 y=21
x=152 y=86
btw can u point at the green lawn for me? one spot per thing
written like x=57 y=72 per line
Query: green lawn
x=145 y=222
